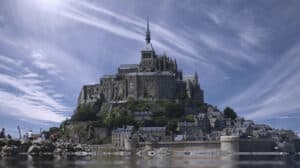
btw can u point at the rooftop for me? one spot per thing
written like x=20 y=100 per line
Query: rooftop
x=124 y=129
x=165 y=73
x=152 y=128
x=128 y=66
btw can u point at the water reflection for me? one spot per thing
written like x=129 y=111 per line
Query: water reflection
x=134 y=161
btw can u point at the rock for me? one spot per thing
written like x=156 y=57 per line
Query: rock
x=9 y=150
x=86 y=149
x=58 y=151
x=2 y=142
x=70 y=148
x=13 y=142
x=24 y=146
x=41 y=149
x=78 y=148
x=47 y=147
x=34 y=149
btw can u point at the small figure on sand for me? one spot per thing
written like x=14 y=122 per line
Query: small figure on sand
x=2 y=133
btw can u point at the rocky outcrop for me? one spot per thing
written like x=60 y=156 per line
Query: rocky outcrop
x=41 y=149
x=34 y=149
x=23 y=148
x=9 y=147
x=9 y=150
x=13 y=147
x=70 y=149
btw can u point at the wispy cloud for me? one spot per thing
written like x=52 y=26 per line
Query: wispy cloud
x=25 y=97
x=236 y=34
x=5 y=67
x=40 y=60
x=30 y=75
x=7 y=60
x=132 y=28
x=275 y=92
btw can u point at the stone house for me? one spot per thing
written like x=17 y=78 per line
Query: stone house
x=153 y=134
x=216 y=119
x=190 y=131
x=119 y=136
x=242 y=131
x=195 y=130
x=202 y=121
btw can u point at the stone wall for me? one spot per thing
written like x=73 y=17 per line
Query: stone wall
x=257 y=145
x=297 y=145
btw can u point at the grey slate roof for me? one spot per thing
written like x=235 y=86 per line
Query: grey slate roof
x=152 y=129
x=128 y=66
x=150 y=74
x=127 y=129
x=109 y=76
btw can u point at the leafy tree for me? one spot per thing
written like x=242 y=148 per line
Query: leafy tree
x=229 y=113
x=173 y=110
x=118 y=117
x=160 y=121
x=172 y=126
x=181 y=95
x=138 y=105
x=84 y=113
x=203 y=107
x=189 y=118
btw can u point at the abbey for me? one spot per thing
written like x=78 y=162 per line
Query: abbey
x=156 y=77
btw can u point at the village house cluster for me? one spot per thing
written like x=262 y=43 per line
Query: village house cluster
x=208 y=126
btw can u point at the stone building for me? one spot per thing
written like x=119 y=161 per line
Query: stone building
x=156 y=77
x=190 y=131
x=153 y=134
x=119 y=136
x=195 y=130
x=216 y=119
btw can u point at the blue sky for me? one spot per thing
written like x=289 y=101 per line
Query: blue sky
x=245 y=52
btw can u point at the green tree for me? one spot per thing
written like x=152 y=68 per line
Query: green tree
x=189 y=118
x=229 y=113
x=118 y=117
x=173 y=110
x=181 y=95
x=84 y=113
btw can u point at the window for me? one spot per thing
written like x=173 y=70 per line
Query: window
x=131 y=85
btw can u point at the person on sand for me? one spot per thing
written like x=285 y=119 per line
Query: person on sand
x=2 y=133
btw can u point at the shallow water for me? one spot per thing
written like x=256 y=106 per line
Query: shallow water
x=134 y=161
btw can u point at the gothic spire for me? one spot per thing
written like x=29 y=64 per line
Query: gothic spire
x=148 y=38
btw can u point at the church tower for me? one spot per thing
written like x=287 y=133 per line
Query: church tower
x=148 y=60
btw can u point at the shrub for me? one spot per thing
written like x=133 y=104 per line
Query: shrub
x=229 y=113
x=84 y=113
x=174 y=110
x=189 y=118
x=117 y=118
